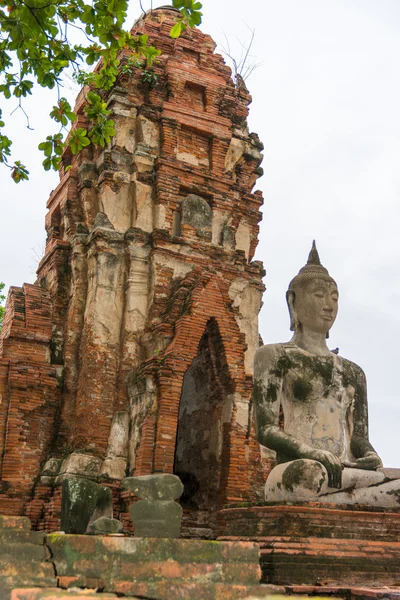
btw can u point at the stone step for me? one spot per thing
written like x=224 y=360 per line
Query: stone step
x=58 y=594
x=160 y=591
x=107 y=561
x=23 y=556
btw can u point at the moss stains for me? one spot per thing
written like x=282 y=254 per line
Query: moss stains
x=302 y=472
x=272 y=392
x=258 y=395
x=309 y=368
x=293 y=475
x=316 y=367
x=302 y=389
x=283 y=365
x=350 y=375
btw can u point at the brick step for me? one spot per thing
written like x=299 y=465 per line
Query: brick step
x=329 y=547
x=178 y=590
x=312 y=520
x=352 y=593
x=295 y=560
x=58 y=594
x=110 y=562
x=219 y=592
x=23 y=556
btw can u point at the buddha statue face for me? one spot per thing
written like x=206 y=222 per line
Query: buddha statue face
x=316 y=305
x=312 y=297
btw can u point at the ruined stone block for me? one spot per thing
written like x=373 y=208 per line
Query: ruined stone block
x=83 y=501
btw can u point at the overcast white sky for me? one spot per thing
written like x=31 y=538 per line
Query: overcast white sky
x=326 y=105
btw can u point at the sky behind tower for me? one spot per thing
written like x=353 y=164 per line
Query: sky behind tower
x=326 y=97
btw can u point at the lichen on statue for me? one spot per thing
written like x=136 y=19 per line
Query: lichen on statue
x=323 y=451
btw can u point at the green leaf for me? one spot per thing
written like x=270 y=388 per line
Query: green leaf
x=78 y=140
x=19 y=172
x=177 y=29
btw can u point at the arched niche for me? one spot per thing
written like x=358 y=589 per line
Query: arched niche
x=205 y=410
x=196 y=211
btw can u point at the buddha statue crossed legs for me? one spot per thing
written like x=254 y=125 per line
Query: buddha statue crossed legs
x=323 y=451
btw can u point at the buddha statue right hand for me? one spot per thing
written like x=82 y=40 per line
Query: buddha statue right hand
x=331 y=463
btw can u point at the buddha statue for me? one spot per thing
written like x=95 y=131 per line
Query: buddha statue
x=323 y=452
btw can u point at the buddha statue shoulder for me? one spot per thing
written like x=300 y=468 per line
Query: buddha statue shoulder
x=311 y=406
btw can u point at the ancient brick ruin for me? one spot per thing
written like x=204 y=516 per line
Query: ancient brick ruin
x=132 y=353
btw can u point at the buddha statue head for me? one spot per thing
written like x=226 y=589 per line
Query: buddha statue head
x=312 y=297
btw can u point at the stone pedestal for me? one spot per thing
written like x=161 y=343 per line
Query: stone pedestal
x=314 y=543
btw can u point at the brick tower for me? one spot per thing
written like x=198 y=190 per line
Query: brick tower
x=132 y=353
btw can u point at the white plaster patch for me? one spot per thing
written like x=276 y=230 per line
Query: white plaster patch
x=118 y=438
x=179 y=268
x=148 y=133
x=242 y=414
x=81 y=464
x=188 y=158
x=144 y=206
x=248 y=300
x=219 y=220
x=125 y=131
x=117 y=206
x=114 y=467
x=243 y=237
x=159 y=216
x=234 y=154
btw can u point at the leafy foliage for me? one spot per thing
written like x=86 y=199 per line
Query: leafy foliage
x=36 y=47
x=2 y=298
x=191 y=15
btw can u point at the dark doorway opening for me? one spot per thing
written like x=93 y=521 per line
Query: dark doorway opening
x=202 y=446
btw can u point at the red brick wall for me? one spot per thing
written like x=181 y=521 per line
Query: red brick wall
x=187 y=280
x=28 y=390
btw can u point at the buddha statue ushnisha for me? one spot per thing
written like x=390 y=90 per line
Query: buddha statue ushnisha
x=323 y=451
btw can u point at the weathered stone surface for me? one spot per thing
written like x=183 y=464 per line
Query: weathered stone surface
x=83 y=501
x=51 y=467
x=118 y=440
x=156 y=518
x=114 y=467
x=323 y=446
x=160 y=486
x=84 y=465
x=197 y=213
x=23 y=556
x=11 y=522
x=160 y=566
x=104 y=526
